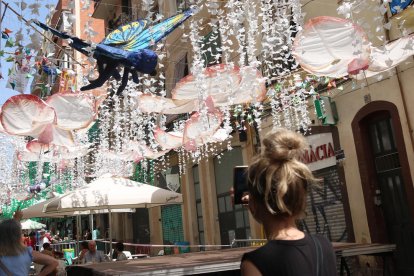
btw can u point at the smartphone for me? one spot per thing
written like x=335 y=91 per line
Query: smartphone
x=240 y=183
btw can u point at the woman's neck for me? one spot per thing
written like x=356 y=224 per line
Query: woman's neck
x=282 y=229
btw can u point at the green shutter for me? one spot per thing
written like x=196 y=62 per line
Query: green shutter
x=211 y=47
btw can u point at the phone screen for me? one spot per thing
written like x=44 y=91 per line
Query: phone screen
x=240 y=183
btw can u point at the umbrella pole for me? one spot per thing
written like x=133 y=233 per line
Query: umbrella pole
x=110 y=233
x=91 y=221
x=77 y=233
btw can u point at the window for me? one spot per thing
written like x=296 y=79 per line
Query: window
x=154 y=10
x=126 y=6
x=65 y=58
x=381 y=136
x=181 y=70
x=181 y=4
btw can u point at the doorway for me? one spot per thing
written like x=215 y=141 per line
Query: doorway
x=386 y=180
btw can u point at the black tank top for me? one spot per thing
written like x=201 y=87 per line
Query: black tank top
x=293 y=258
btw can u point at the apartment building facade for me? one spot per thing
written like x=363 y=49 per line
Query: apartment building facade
x=368 y=194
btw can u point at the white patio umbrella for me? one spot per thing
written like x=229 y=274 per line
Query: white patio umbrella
x=32 y=225
x=36 y=211
x=110 y=192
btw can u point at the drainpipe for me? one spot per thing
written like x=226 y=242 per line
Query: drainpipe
x=402 y=92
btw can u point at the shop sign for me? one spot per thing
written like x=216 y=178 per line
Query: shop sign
x=320 y=153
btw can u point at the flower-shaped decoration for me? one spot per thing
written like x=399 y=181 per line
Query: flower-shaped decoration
x=335 y=47
x=50 y=122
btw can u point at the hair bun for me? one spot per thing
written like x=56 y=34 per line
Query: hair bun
x=283 y=145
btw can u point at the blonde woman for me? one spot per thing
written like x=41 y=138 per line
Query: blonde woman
x=278 y=184
x=15 y=258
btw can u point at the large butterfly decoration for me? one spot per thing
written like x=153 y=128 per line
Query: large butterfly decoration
x=397 y=6
x=129 y=45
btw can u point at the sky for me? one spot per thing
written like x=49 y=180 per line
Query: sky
x=12 y=22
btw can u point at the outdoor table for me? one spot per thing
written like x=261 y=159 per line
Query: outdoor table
x=207 y=261
x=344 y=250
x=139 y=256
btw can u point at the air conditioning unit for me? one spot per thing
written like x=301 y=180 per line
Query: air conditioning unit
x=66 y=25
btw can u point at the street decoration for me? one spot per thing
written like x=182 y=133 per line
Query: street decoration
x=397 y=6
x=128 y=46
x=248 y=66
x=50 y=121
x=336 y=47
x=225 y=86
x=327 y=46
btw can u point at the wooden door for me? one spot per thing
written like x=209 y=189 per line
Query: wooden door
x=390 y=193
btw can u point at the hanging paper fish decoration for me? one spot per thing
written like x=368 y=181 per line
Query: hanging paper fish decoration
x=129 y=45
x=50 y=71
x=6 y=33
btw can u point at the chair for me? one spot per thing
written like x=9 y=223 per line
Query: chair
x=110 y=253
x=128 y=254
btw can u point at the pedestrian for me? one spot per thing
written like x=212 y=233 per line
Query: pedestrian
x=32 y=238
x=93 y=255
x=278 y=182
x=57 y=237
x=88 y=235
x=42 y=239
x=84 y=248
x=119 y=254
x=96 y=233
x=49 y=237
x=15 y=258
x=47 y=249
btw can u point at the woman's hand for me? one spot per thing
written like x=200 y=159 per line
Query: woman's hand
x=245 y=199
x=18 y=215
x=50 y=264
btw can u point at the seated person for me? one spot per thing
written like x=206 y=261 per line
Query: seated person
x=93 y=255
x=119 y=255
x=57 y=237
x=83 y=249
x=47 y=249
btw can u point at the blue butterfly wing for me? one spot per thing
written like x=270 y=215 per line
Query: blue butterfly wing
x=398 y=5
x=125 y=33
x=151 y=35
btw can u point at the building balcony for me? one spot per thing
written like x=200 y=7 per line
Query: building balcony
x=104 y=9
